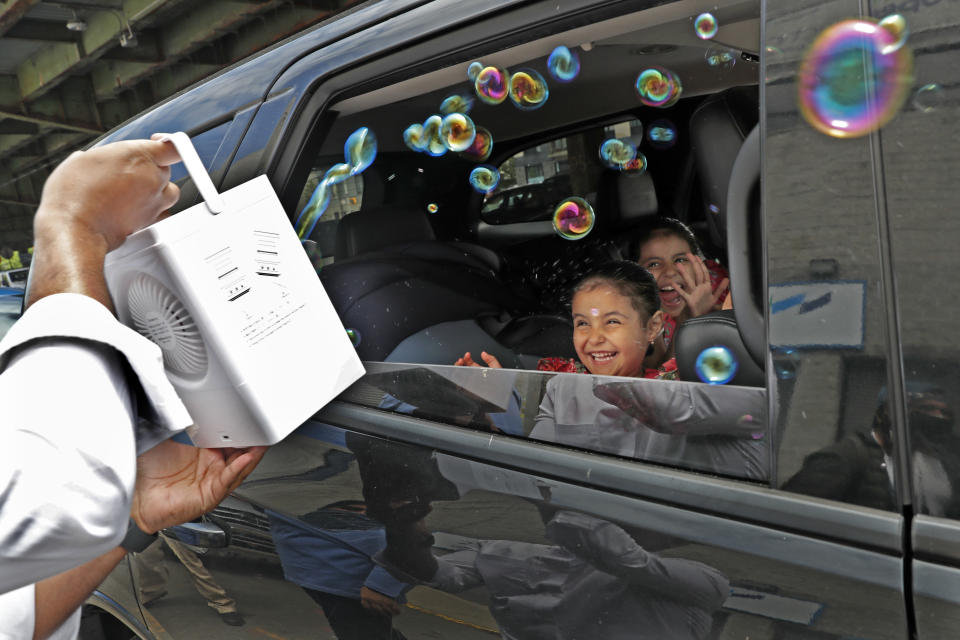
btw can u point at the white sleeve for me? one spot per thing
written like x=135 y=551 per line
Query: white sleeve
x=17 y=614
x=67 y=441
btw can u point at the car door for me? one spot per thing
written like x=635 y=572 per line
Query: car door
x=483 y=530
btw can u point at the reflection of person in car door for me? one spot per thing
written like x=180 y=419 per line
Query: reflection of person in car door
x=328 y=553
x=592 y=581
x=859 y=468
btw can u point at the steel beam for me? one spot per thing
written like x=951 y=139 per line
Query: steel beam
x=11 y=11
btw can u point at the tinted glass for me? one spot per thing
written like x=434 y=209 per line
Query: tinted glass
x=493 y=192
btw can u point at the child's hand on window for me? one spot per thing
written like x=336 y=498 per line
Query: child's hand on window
x=467 y=361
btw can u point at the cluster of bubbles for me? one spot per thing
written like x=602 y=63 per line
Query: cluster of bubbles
x=705 y=26
x=622 y=155
x=439 y=134
x=658 y=87
x=359 y=152
x=720 y=57
x=661 y=134
x=573 y=218
x=563 y=64
x=528 y=89
x=855 y=76
x=355 y=337
x=484 y=178
x=716 y=365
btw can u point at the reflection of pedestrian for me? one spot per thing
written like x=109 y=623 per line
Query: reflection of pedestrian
x=153 y=572
x=328 y=552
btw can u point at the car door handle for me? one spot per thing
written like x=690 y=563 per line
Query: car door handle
x=199 y=534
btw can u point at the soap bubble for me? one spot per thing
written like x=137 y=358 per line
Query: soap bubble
x=474 y=70
x=528 y=89
x=458 y=132
x=432 y=207
x=563 y=64
x=481 y=148
x=360 y=150
x=637 y=165
x=616 y=153
x=716 y=365
x=720 y=57
x=662 y=134
x=573 y=218
x=491 y=85
x=896 y=26
x=312 y=249
x=456 y=104
x=706 y=26
x=928 y=97
x=413 y=137
x=785 y=363
x=847 y=85
x=434 y=144
x=658 y=87
x=355 y=337
x=484 y=178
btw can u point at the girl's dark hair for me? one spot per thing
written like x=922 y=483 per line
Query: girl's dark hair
x=628 y=279
x=670 y=227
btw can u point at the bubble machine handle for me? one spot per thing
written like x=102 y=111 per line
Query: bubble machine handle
x=194 y=165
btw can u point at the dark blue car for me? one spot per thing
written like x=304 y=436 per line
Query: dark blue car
x=812 y=147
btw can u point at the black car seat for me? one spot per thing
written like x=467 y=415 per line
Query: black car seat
x=711 y=330
x=629 y=201
x=718 y=127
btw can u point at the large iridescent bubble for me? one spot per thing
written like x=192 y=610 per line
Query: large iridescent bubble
x=359 y=151
x=456 y=104
x=662 y=134
x=847 y=85
x=658 y=87
x=705 y=26
x=492 y=84
x=563 y=64
x=484 y=178
x=481 y=148
x=573 y=218
x=528 y=89
x=616 y=153
x=458 y=132
x=716 y=365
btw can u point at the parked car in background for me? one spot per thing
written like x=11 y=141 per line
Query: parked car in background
x=14 y=278
x=813 y=496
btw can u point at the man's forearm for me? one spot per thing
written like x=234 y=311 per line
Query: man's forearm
x=68 y=260
x=57 y=597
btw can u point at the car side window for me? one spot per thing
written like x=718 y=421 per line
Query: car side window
x=496 y=186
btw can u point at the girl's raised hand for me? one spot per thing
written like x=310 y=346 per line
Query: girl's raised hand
x=696 y=290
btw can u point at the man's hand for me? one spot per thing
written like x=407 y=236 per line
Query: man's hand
x=110 y=191
x=378 y=603
x=177 y=482
x=90 y=204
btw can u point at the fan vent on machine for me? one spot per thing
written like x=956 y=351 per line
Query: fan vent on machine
x=160 y=316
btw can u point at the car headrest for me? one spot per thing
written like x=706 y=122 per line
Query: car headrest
x=366 y=231
x=711 y=330
x=627 y=198
x=718 y=127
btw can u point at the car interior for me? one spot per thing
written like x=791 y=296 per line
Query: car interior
x=423 y=267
